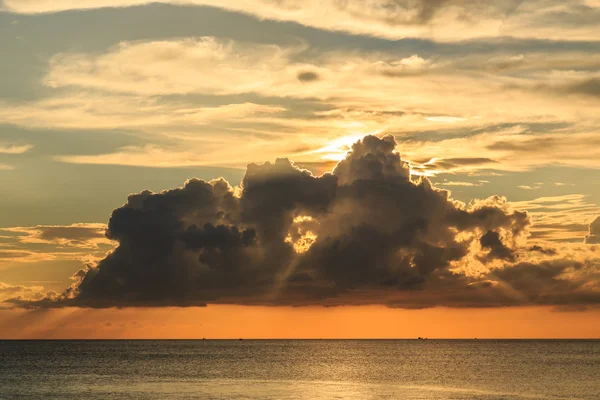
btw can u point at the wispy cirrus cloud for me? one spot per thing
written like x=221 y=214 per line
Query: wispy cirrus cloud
x=15 y=149
x=9 y=257
x=99 y=111
x=81 y=235
x=80 y=242
x=392 y=19
x=514 y=149
x=562 y=218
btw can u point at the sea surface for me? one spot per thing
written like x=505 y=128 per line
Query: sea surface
x=300 y=369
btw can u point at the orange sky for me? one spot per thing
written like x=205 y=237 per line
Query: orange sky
x=305 y=322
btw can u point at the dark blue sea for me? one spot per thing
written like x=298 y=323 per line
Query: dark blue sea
x=300 y=369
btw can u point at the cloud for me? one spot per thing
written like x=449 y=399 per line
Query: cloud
x=23 y=293
x=11 y=256
x=594 y=235
x=97 y=111
x=76 y=235
x=459 y=183
x=559 y=218
x=159 y=88
x=391 y=19
x=514 y=149
x=82 y=243
x=367 y=233
x=15 y=149
x=588 y=87
x=308 y=76
x=12 y=149
x=315 y=97
x=528 y=187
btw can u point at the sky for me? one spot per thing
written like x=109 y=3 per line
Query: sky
x=314 y=169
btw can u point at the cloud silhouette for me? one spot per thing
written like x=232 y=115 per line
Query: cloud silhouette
x=367 y=233
x=594 y=236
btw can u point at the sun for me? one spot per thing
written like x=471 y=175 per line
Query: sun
x=336 y=150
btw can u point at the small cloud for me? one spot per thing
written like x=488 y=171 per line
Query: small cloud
x=527 y=187
x=445 y=118
x=594 y=234
x=414 y=61
x=15 y=149
x=308 y=76
x=76 y=235
x=461 y=184
x=410 y=66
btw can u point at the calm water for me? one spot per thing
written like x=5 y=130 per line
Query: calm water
x=300 y=369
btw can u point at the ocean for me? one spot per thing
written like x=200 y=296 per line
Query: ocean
x=300 y=369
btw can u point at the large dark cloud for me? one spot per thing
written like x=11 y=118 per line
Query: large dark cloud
x=365 y=234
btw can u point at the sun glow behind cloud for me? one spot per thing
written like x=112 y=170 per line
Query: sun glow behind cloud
x=337 y=149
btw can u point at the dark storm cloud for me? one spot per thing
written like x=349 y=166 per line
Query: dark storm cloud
x=594 y=235
x=365 y=234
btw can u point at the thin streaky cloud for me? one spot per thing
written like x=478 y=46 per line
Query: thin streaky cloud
x=15 y=149
x=390 y=19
